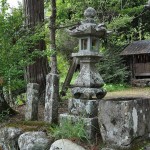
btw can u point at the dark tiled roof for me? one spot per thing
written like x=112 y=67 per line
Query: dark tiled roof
x=137 y=47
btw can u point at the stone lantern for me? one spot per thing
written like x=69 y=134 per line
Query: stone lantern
x=89 y=82
x=87 y=90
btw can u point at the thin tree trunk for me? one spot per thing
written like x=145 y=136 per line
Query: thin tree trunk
x=53 y=36
x=52 y=87
x=4 y=107
x=34 y=15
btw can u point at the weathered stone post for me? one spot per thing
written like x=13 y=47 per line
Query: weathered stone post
x=31 y=112
x=51 y=98
x=87 y=90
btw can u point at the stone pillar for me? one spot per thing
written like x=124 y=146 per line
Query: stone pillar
x=124 y=120
x=31 y=112
x=51 y=99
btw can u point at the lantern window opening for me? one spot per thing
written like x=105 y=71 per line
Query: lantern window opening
x=84 y=44
x=94 y=44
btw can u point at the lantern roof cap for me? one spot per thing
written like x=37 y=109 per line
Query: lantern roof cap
x=89 y=27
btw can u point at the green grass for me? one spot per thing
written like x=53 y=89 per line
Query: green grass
x=69 y=130
x=116 y=87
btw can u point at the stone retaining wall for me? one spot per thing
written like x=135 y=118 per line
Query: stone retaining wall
x=141 y=82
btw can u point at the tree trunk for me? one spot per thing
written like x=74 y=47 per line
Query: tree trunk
x=34 y=15
x=53 y=36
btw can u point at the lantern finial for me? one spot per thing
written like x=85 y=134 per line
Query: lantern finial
x=90 y=12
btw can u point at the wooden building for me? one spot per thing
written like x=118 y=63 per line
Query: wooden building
x=137 y=56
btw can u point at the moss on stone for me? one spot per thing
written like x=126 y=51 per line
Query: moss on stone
x=30 y=125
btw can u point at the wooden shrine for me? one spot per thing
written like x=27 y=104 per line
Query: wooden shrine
x=137 y=56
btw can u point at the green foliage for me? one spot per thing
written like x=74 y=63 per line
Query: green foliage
x=63 y=66
x=4 y=115
x=16 y=44
x=70 y=130
x=115 y=87
x=111 y=67
x=66 y=44
x=20 y=99
x=120 y=22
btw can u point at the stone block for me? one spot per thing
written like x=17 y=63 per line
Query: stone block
x=31 y=112
x=122 y=120
x=86 y=108
x=91 y=124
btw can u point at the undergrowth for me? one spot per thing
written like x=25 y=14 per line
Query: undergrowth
x=69 y=130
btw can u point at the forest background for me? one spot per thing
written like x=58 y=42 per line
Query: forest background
x=127 y=19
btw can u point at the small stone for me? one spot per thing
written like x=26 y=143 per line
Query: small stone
x=34 y=141
x=65 y=144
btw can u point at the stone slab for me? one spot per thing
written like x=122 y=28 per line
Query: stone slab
x=86 y=108
x=124 y=119
x=91 y=124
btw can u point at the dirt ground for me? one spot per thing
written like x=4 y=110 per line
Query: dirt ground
x=131 y=92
